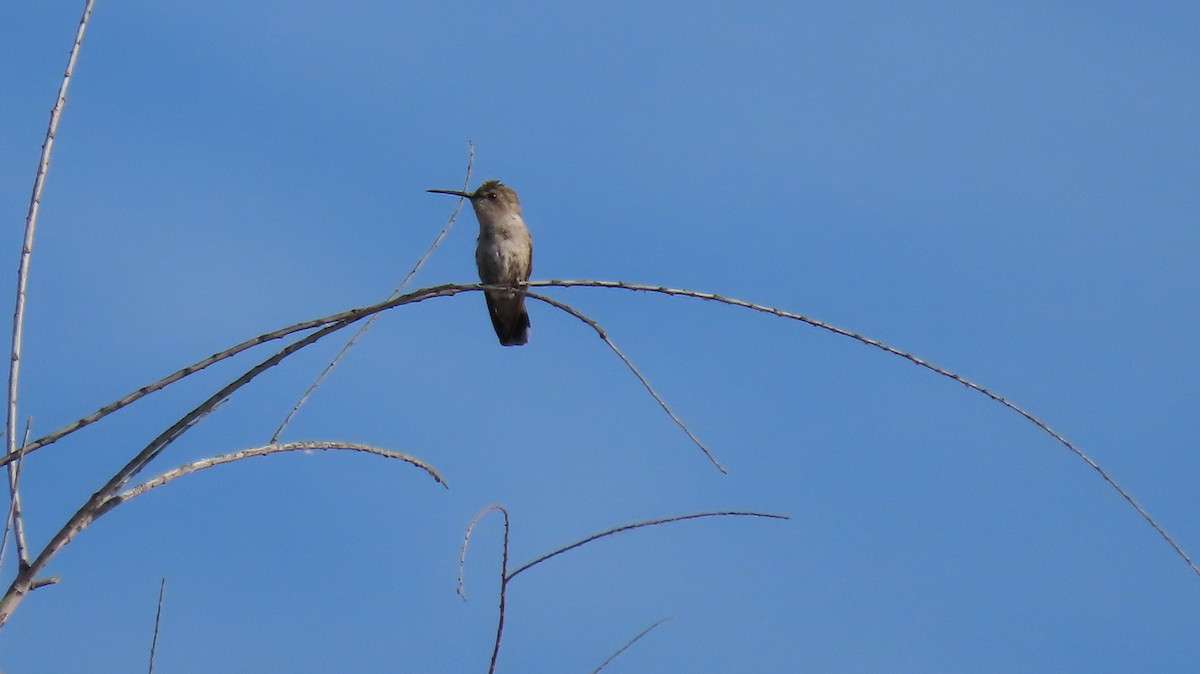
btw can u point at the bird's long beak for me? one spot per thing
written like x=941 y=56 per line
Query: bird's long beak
x=457 y=193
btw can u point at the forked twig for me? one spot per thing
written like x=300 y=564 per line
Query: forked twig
x=632 y=368
x=333 y=362
x=506 y=578
x=629 y=643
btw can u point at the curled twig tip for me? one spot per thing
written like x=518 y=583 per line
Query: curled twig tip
x=462 y=555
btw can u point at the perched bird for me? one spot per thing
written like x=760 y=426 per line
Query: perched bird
x=504 y=256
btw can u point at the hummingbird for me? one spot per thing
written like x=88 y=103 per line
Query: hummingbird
x=503 y=255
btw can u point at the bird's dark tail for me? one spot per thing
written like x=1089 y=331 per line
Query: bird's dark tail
x=509 y=318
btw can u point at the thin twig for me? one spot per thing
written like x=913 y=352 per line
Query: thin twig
x=466 y=541
x=162 y=585
x=8 y=519
x=333 y=362
x=264 y=450
x=17 y=518
x=14 y=506
x=462 y=558
x=503 y=595
x=629 y=643
x=639 y=525
x=632 y=368
x=35 y=202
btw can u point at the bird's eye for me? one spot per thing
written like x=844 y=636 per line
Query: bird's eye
x=491 y=195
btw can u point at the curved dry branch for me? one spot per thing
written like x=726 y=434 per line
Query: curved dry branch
x=333 y=362
x=639 y=525
x=451 y=289
x=662 y=290
x=264 y=450
x=632 y=368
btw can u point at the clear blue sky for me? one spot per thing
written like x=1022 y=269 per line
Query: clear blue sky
x=1008 y=190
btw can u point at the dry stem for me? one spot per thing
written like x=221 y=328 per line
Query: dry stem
x=274 y=448
x=35 y=201
x=629 y=643
x=162 y=585
x=14 y=507
x=506 y=578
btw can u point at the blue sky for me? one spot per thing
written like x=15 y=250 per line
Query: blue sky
x=1007 y=190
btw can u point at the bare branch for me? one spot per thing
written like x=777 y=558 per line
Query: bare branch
x=451 y=289
x=905 y=355
x=437 y=241
x=639 y=525
x=629 y=643
x=162 y=585
x=18 y=323
x=264 y=450
x=632 y=368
